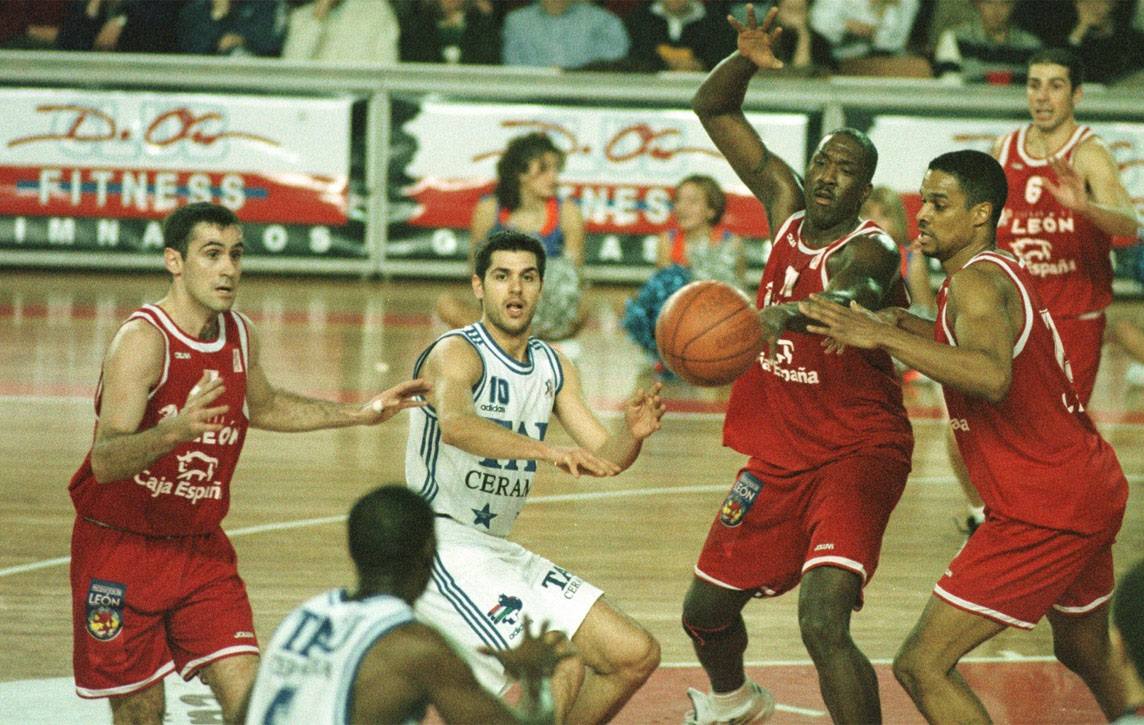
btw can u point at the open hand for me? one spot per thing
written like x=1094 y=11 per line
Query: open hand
x=535 y=657
x=197 y=416
x=756 y=42
x=643 y=412
x=853 y=326
x=394 y=400
x=580 y=461
x=1069 y=189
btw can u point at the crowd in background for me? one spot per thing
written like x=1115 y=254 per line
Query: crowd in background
x=959 y=41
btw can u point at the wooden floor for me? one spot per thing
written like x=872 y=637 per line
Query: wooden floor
x=636 y=535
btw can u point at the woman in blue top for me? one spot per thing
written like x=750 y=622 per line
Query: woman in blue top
x=525 y=201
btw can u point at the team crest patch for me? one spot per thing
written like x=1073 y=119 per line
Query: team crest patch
x=105 y=609
x=506 y=610
x=740 y=499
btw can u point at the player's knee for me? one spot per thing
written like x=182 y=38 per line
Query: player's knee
x=141 y=708
x=1080 y=657
x=640 y=657
x=908 y=668
x=821 y=632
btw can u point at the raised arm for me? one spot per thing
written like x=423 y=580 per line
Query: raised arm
x=452 y=368
x=642 y=414
x=1092 y=186
x=133 y=366
x=984 y=311
x=572 y=226
x=719 y=105
x=483 y=220
x=279 y=410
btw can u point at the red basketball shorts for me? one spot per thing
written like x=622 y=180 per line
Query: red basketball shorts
x=1013 y=572
x=1082 y=338
x=144 y=606
x=771 y=530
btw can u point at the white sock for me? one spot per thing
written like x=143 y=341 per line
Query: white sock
x=977 y=513
x=729 y=702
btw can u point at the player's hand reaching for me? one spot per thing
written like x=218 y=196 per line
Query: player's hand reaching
x=1069 y=189
x=644 y=411
x=582 y=462
x=536 y=656
x=853 y=326
x=756 y=42
x=197 y=416
x=394 y=400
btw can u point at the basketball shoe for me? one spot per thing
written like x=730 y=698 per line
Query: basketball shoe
x=758 y=707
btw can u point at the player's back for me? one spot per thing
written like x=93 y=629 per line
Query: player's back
x=308 y=670
x=186 y=491
x=1035 y=456
x=1067 y=254
x=805 y=406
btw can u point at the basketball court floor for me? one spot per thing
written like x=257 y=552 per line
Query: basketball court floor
x=635 y=535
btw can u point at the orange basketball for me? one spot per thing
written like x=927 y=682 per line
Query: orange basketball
x=708 y=333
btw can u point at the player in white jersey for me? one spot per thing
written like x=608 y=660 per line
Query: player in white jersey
x=472 y=454
x=361 y=657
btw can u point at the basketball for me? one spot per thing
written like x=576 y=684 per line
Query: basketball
x=708 y=333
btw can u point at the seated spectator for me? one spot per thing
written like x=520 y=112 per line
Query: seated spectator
x=525 y=200
x=693 y=247
x=30 y=24
x=345 y=31
x=563 y=34
x=861 y=28
x=800 y=47
x=232 y=27
x=1127 y=635
x=986 y=49
x=451 y=31
x=1109 y=50
x=678 y=35
x=126 y=26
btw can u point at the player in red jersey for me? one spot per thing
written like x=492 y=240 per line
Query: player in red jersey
x=1066 y=202
x=1053 y=488
x=155 y=587
x=827 y=436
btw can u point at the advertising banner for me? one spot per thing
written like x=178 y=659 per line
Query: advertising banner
x=96 y=170
x=621 y=165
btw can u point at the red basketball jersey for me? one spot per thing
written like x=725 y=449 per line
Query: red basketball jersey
x=1035 y=456
x=187 y=491
x=807 y=407
x=1067 y=254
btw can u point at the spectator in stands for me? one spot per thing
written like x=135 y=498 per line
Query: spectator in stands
x=451 y=31
x=346 y=31
x=127 y=26
x=1127 y=635
x=678 y=35
x=861 y=28
x=885 y=208
x=232 y=27
x=563 y=34
x=1109 y=49
x=986 y=49
x=30 y=24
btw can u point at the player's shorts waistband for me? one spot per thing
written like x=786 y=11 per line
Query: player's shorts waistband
x=139 y=533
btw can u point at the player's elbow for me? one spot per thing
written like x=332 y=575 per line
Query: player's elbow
x=996 y=387
x=101 y=468
x=453 y=430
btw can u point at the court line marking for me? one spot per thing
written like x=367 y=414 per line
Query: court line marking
x=555 y=498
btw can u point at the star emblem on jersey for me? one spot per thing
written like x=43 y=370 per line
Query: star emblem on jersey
x=483 y=517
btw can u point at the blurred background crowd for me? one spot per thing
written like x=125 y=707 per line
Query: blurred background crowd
x=959 y=41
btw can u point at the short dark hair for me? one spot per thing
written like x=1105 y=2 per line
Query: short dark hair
x=1128 y=615
x=388 y=530
x=711 y=191
x=180 y=224
x=515 y=160
x=1062 y=56
x=980 y=176
x=507 y=241
x=869 y=151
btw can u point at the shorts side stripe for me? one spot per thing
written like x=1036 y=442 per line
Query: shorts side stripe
x=978 y=609
x=126 y=689
x=470 y=612
x=190 y=668
x=1084 y=609
x=708 y=578
x=837 y=561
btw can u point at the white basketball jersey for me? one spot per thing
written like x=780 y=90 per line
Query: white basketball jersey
x=307 y=672
x=484 y=493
